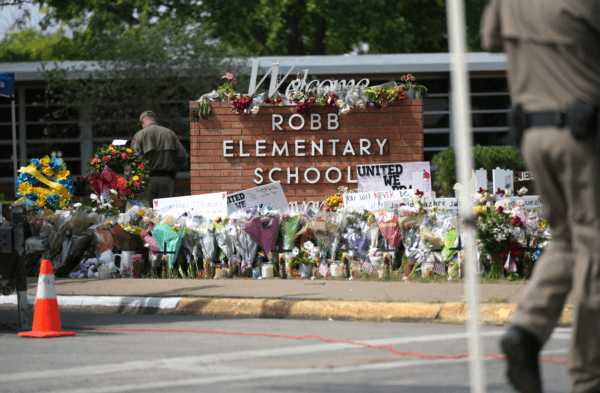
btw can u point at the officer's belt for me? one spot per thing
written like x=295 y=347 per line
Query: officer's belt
x=544 y=119
x=160 y=173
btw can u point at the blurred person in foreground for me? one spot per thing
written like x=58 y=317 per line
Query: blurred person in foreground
x=553 y=50
x=165 y=155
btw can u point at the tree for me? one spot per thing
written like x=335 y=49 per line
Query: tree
x=34 y=45
x=150 y=67
x=283 y=27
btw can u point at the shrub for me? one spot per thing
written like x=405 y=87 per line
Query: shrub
x=488 y=158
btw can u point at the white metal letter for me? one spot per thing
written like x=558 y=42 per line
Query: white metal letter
x=365 y=145
x=339 y=175
x=312 y=181
x=257 y=173
x=294 y=176
x=260 y=145
x=332 y=121
x=381 y=145
x=283 y=148
x=227 y=145
x=315 y=121
x=277 y=122
x=299 y=145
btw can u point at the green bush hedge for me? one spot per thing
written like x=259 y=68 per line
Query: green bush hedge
x=488 y=158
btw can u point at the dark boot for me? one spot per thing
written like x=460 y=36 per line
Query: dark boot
x=522 y=350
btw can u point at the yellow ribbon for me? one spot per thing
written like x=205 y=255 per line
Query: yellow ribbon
x=64 y=193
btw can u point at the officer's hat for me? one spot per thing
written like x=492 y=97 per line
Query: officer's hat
x=148 y=114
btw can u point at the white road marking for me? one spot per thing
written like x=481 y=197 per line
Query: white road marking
x=165 y=303
x=209 y=359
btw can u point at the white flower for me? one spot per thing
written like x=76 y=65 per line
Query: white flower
x=113 y=191
x=523 y=191
x=360 y=104
x=416 y=199
x=340 y=103
x=255 y=110
x=345 y=110
x=94 y=197
x=508 y=192
x=78 y=204
x=93 y=209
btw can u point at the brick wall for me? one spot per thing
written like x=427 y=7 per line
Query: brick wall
x=401 y=124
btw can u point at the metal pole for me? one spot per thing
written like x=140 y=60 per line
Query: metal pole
x=464 y=162
x=14 y=140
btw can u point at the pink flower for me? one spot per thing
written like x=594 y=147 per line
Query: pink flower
x=520 y=202
x=227 y=76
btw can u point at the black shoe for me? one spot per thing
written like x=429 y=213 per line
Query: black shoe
x=522 y=350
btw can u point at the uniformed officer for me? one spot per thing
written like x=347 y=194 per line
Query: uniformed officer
x=164 y=152
x=553 y=50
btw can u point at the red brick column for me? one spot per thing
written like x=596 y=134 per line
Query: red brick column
x=401 y=124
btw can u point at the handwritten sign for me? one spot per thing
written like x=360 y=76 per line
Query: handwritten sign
x=270 y=195
x=382 y=177
x=373 y=200
x=209 y=206
x=428 y=203
x=529 y=202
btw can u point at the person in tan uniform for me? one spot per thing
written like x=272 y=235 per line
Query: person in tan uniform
x=553 y=50
x=165 y=155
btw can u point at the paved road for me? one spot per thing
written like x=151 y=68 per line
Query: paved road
x=132 y=361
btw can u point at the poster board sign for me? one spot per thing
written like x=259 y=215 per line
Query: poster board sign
x=270 y=195
x=530 y=202
x=391 y=177
x=428 y=203
x=373 y=200
x=209 y=206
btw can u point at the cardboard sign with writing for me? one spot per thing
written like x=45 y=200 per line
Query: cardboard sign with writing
x=529 y=202
x=373 y=200
x=428 y=203
x=381 y=177
x=270 y=195
x=209 y=206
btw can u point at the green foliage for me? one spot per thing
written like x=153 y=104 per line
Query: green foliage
x=279 y=27
x=34 y=45
x=488 y=158
x=302 y=257
x=158 y=67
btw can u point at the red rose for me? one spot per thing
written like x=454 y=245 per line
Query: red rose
x=95 y=161
x=141 y=166
x=127 y=192
x=500 y=210
x=136 y=184
x=114 y=153
x=106 y=158
x=124 y=156
x=130 y=155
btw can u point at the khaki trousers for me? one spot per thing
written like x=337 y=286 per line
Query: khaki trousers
x=159 y=187
x=567 y=177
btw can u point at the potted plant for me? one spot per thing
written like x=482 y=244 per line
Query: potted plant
x=303 y=262
x=413 y=90
x=227 y=91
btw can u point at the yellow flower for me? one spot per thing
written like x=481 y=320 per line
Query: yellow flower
x=141 y=213
x=45 y=161
x=544 y=223
x=62 y=174
x=40 y=202
x=128 y=150
x=25 y=188
x=135 y=178
x=110 y=148
x=47 y=171
x=97 y=166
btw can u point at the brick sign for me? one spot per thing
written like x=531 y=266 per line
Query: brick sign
x=311 y=155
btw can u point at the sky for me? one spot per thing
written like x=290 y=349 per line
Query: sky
x=8 y=15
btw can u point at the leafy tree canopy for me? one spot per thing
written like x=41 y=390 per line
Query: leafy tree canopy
x=281 y=27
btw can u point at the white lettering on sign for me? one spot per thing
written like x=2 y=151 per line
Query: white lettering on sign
x=296 y=116
x=348 y=149
x=316 y=147
x=393 y=176
x=315 y=121
x=290 y=176
x=316 y=179
x=373 y=200
x=209 y=206
x=260 y=146
x=365 y=144
x=277 y=122
x=271 y=173
x=274 y=71
x=227 y=145
x=294 y=175
x=339 y=175
x=283 y=148
x=332 y=121
x=299 y=145
x=242 y=154
x=257 y=173
x=333 y=142
x=381 y=145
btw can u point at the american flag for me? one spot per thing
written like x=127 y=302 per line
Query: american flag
x=438 y=268
x=510 y=265
x=324 y=268
x=244 y=265
x=367 y=266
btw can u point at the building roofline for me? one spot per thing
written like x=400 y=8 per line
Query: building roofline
x=316 y=65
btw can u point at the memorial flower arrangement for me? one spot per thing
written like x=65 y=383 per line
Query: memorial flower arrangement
x=409 y=83
x=45 y=183
x=239 y=105
x=227 y=90
x=381 y=97
x=127 y=188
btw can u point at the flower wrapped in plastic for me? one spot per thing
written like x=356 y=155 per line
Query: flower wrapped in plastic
x=244 y=243
x=225 y=240
x=263 y=228
x=191 y=244
x=164 y=234
x=208 y=245
x=257 y=102
x=290 y=224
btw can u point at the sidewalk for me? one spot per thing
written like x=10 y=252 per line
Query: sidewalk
x=275 y=298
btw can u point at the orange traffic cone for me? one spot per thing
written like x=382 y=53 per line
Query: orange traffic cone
x=46 y=320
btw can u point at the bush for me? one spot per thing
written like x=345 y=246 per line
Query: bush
x=488 y=158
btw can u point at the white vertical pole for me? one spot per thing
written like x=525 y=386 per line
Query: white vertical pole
x=14 y=140
x=464 y=162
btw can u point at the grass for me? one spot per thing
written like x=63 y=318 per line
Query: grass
x=497 y=300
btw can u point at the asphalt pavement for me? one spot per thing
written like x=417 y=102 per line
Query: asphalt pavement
x=114 y=353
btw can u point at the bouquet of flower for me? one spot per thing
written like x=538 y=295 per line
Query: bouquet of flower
x=208 y=248
x=240 y=105
x=256 y=104
x=224 y=239
x=53 y=174
x=243 y=242
x=227 y=90
x=382 y=96
x=290 y=223
x=388 y=225
x=263 y=228
x=306 y=102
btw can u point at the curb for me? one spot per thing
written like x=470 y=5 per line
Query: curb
x=491 y=314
